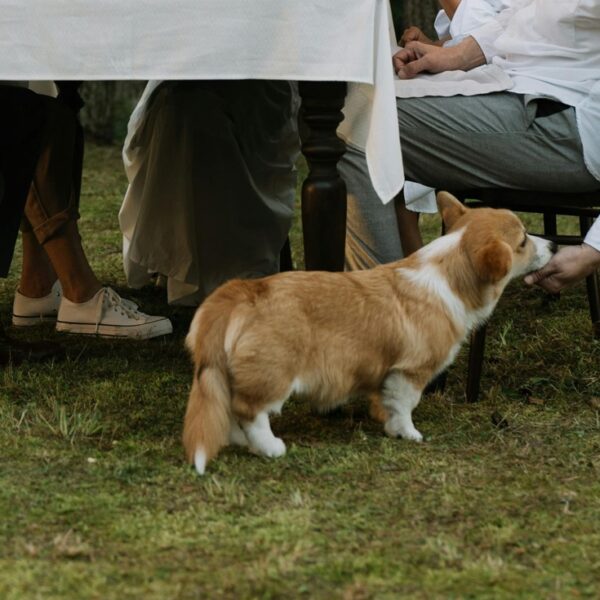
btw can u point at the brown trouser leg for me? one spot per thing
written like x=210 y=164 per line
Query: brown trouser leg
x=53 y=198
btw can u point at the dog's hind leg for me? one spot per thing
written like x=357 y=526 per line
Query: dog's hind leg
x=400 y=397
x=237 y=435
x=261 y=438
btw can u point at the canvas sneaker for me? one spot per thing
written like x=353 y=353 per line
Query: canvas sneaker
x=33 y=311
x=109 y=315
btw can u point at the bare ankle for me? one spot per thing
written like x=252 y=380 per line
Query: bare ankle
x=36 y=288
x=78 y=295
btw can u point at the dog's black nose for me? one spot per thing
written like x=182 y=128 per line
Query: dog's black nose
x=553 y=247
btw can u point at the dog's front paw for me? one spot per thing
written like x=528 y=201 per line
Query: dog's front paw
x=415 y=435
x=399 y=428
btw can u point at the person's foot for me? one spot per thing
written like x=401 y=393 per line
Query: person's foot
x=16 y=352
x=33 y=311
x=109 y=315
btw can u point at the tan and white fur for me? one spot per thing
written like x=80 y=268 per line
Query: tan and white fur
x=384 y=332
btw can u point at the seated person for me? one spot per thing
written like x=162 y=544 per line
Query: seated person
x=211 y=183
x=57 y=281
x=542 y=134
x=455 y=20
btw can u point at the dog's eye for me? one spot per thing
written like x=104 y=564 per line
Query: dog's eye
x=523 y=243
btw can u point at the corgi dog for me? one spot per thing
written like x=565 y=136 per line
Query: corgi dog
x=385 y=332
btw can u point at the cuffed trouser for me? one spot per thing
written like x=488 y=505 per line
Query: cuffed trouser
x=53 y=198
x=22 y=119
x=493 y=140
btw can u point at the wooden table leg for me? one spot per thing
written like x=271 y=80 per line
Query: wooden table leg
x=323 y=191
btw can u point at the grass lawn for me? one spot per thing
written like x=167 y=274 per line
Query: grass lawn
x=96 y=501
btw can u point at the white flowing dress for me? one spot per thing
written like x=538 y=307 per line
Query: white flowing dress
x=211 y=189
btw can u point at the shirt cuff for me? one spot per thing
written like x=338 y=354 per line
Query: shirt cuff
x=593 y=235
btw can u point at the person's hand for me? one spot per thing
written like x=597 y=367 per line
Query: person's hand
x=418 y=57
x=414 y=34
x=567 y=266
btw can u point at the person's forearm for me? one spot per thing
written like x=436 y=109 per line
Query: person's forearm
x=418 y=57
x=470 y=54
x=449 y=7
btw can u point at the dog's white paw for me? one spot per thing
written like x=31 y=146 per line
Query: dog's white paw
x=399 y=428
x=272 y=448
x=414 y=435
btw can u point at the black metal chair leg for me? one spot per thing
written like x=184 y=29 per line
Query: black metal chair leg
x=592 y=282
x=476 y=351
x=593 y=291
x=550 y=227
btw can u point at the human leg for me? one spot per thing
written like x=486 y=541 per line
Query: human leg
x=214 y=161
x=372 y=234
x=53 y=247
x=22 y=120
x=493 y=140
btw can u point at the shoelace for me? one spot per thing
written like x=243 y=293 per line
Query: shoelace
x=112 y=300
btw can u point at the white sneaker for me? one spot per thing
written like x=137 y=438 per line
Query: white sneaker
x=109 y=315
x=33 y=311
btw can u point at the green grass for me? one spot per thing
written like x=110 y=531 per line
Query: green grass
x=96 y=501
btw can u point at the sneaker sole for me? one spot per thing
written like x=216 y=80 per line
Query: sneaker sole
x=137 y=332
x=32 y=321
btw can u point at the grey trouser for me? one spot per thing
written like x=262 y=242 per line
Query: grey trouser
x=493 y=140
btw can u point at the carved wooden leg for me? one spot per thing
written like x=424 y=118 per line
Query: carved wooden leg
x=323 y=191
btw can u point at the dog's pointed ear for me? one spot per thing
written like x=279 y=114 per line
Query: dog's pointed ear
x=493 y=261
x=450 y=208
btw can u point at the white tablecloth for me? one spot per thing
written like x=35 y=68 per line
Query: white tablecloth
x=314 y=40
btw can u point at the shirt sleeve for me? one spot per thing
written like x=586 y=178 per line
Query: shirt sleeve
x=593 y=235
x=442 y=24
x=486 y=37
x=487 y=34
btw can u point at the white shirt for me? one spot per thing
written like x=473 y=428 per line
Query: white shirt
x=551 y=49
x=469 y=15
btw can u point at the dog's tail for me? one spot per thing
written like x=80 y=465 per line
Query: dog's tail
x=213 y=335
x=207 y=421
